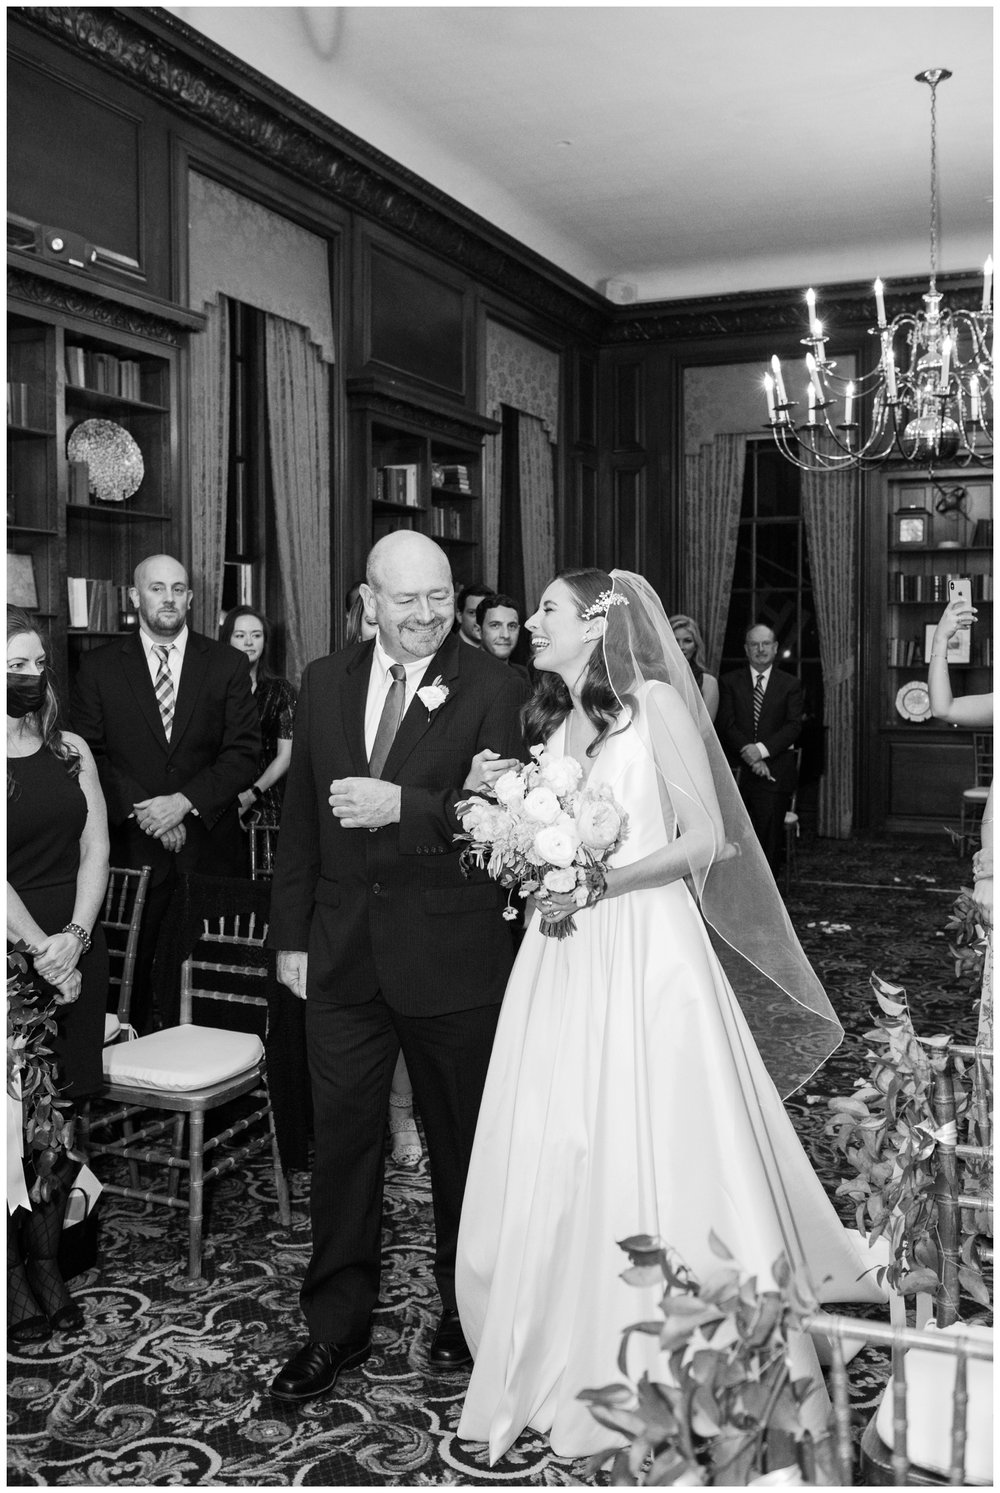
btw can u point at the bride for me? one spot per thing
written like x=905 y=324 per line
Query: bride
x=629 y=1090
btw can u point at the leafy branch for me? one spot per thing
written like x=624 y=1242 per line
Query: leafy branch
x=32 y=1077
x=726 y=1407
x=888 y=1131
x=967 y=944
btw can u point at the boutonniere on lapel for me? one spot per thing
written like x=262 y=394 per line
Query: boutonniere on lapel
x=433 y=695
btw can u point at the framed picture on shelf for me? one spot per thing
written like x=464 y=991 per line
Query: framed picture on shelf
x=959 y=644
x=21 y=588
x=911 y=526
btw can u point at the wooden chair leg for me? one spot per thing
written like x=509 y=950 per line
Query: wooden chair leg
x=196 y=1191
x=280 y=1180
x=128 y=1134
x=177 y=1151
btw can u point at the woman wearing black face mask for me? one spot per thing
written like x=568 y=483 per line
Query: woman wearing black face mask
x=57 y=871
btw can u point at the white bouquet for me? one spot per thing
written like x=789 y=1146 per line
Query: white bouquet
x=538 y=830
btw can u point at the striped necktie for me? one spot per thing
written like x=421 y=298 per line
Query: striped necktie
x=164 y=686
x=392 y=714
x=758 y=700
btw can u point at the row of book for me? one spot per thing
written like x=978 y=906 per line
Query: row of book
x=398 y=484
x=100 y=606
x=904 y=653
x=451 y=475
x=906 y=587
x=446 y=523
x=18 y=403
x=103 y=372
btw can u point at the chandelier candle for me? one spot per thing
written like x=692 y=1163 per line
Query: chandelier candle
x=930 y=398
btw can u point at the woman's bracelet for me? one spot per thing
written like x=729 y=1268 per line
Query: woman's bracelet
x=80 y=933
x=257 y=791
x=939 y=655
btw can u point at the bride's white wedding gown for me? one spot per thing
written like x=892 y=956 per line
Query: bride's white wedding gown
x=625 y=1096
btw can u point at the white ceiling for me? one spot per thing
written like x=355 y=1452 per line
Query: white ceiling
x=684 y=150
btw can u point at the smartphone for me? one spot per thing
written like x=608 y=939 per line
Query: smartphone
x=960 y=589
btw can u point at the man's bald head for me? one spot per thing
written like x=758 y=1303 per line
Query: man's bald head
x=161 y=596
x=408 y=587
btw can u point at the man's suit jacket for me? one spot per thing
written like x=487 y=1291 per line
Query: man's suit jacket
x=779 y=727
x=389 y=910
x=212 y=754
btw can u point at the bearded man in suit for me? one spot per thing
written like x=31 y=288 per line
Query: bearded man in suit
x=171 y=720
x=759 y=722
x=378 y=930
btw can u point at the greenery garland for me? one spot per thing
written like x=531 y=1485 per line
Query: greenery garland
x=730 y=1414
x=888 y=1131
x=32 y=1077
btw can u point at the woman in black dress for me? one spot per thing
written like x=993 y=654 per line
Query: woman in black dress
x=57 y=872
x=248 y=631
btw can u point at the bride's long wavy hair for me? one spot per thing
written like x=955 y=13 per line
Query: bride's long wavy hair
x=19 y=622
x=552 y=702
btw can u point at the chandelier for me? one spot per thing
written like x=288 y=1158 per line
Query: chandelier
x=931 y=393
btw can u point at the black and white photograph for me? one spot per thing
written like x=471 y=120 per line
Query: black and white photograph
x=500 y=746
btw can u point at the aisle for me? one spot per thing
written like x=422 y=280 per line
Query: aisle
x=169 y=1384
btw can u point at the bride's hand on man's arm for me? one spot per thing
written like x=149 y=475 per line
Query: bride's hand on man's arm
x=487 y=767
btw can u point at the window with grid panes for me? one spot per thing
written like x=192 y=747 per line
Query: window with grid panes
x=772 y=584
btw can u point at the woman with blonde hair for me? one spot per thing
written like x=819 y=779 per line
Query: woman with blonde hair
x=692 y=645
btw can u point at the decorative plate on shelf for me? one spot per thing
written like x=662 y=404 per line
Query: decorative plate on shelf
x=114 y=461
x=913 y=702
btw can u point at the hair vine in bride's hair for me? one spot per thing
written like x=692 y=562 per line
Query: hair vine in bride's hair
x=603 y=604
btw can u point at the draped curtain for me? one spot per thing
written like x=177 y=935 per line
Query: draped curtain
x=537 y=519
x=830 y=511
x=209 y=463
x=492 y=488
x=298 y=408
x=713 y=499
x=524 y=375
x=240 y=250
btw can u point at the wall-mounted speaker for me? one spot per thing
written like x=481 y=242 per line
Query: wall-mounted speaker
x=67 y=248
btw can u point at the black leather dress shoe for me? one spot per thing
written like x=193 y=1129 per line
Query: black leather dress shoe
x=449 y=1350
x=315 y=1368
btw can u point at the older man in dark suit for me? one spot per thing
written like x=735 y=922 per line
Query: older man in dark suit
x=389 y=944
x=759 y=722
x=172 y=723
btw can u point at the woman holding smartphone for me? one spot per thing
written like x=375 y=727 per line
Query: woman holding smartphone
x=974 y=713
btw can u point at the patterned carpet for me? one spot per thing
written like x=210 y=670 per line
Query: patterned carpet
x=168 y=1382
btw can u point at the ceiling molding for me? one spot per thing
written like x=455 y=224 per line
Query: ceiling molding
x=168 y=58
x=846 y=307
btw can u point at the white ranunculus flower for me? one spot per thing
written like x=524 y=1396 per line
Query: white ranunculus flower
x=555 y=846
x=598 y=823
x=561 y=774
x=509 y=788
x=559 y=881
x=541 y=805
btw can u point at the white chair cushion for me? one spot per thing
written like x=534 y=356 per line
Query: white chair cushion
x=930 y=1386
x=976 y=795
x=182 y=1058
x=112 y=1026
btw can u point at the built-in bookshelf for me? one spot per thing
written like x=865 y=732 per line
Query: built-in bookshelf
x=922 y=534
x=957 y=543
x=421 y=465
x=74 y=534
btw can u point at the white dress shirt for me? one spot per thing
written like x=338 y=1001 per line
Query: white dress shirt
x=175 y=658
x=379 y=683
